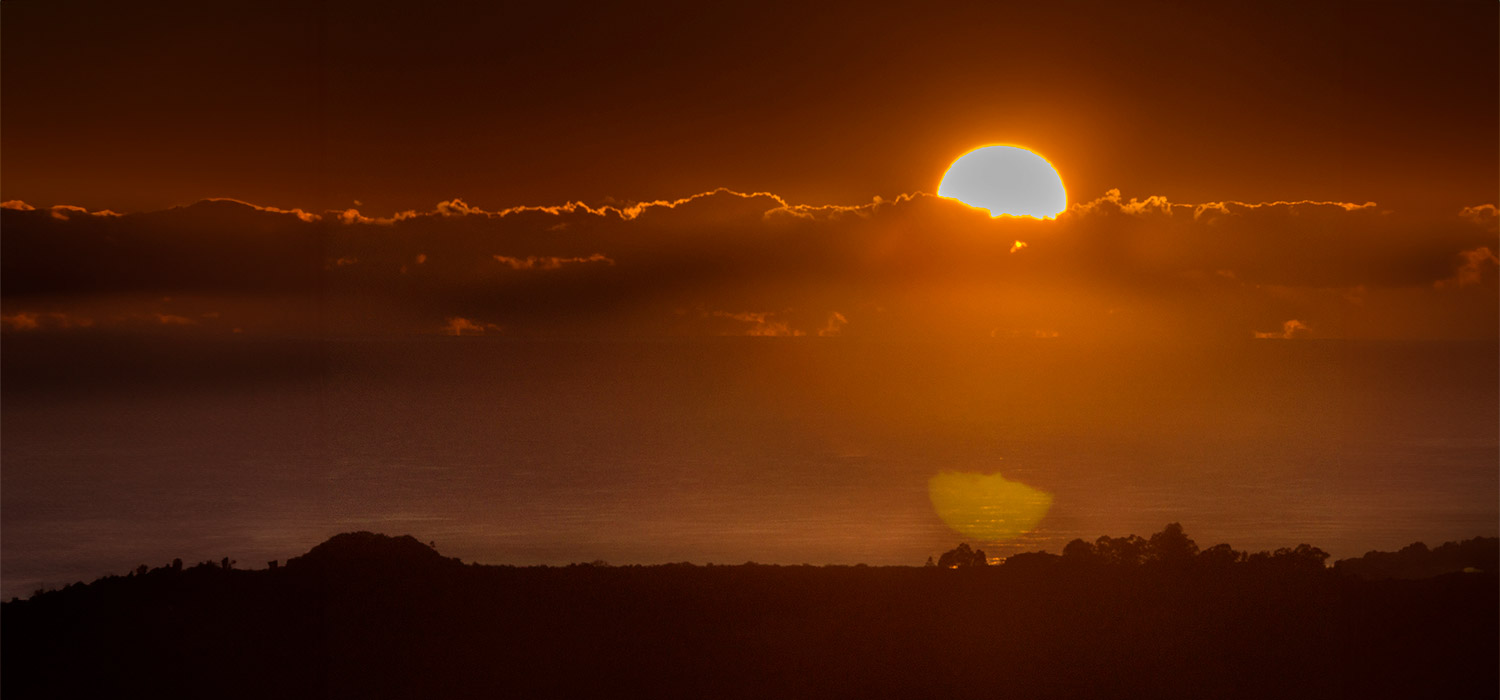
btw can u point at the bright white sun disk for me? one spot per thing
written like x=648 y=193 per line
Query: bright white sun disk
x=1006 y=180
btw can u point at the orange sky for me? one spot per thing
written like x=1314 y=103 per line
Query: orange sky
x=396 y=106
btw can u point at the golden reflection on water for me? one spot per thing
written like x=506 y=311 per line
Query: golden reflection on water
x=987 y=507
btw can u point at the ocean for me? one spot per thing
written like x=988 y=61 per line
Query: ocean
x=775 y=450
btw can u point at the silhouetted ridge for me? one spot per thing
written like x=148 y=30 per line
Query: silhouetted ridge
x=365 y=616
x=371 y=550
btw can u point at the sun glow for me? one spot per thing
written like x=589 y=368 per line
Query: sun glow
x=1006 y=180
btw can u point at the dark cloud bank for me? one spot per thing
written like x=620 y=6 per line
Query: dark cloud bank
x=726 y=263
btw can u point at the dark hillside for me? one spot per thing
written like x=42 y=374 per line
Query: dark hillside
x=368 y=616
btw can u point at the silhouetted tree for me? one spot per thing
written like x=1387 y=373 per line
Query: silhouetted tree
x=1079 y=550
x=1417 y=561
x=1414 y=550
x=1125 y=551
x=1080 y=553
x=962 y=557
x=1171 y=547
x=1220 y=556
x=1031 y=561
x=1303 y=557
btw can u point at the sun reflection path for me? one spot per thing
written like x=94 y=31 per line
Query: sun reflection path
x=987 y=507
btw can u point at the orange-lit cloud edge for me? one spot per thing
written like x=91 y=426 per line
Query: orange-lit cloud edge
x=458 y=207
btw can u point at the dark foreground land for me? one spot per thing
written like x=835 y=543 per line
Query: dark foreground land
x=368 y=616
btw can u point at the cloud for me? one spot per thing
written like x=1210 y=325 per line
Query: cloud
x=352 y=216
x=1482 y=211
x=32 y=320
x=533 y=262
x=1305 y=243
x=834 y=326
x=1114 y=202
x=458 y=325
x=912 y=266
x=215 y=246
x=1154 y=204
x=305 y=216
x=23 y=321
x=1471 y=271
x=1230 y=207
x=61 y=212
x=825 y=212
x=1039 y=333
x=1483 y=215
x=457 y=207
x=760 y=323
x=1289 y=330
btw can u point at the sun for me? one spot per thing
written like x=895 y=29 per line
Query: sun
x=1006 y=180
